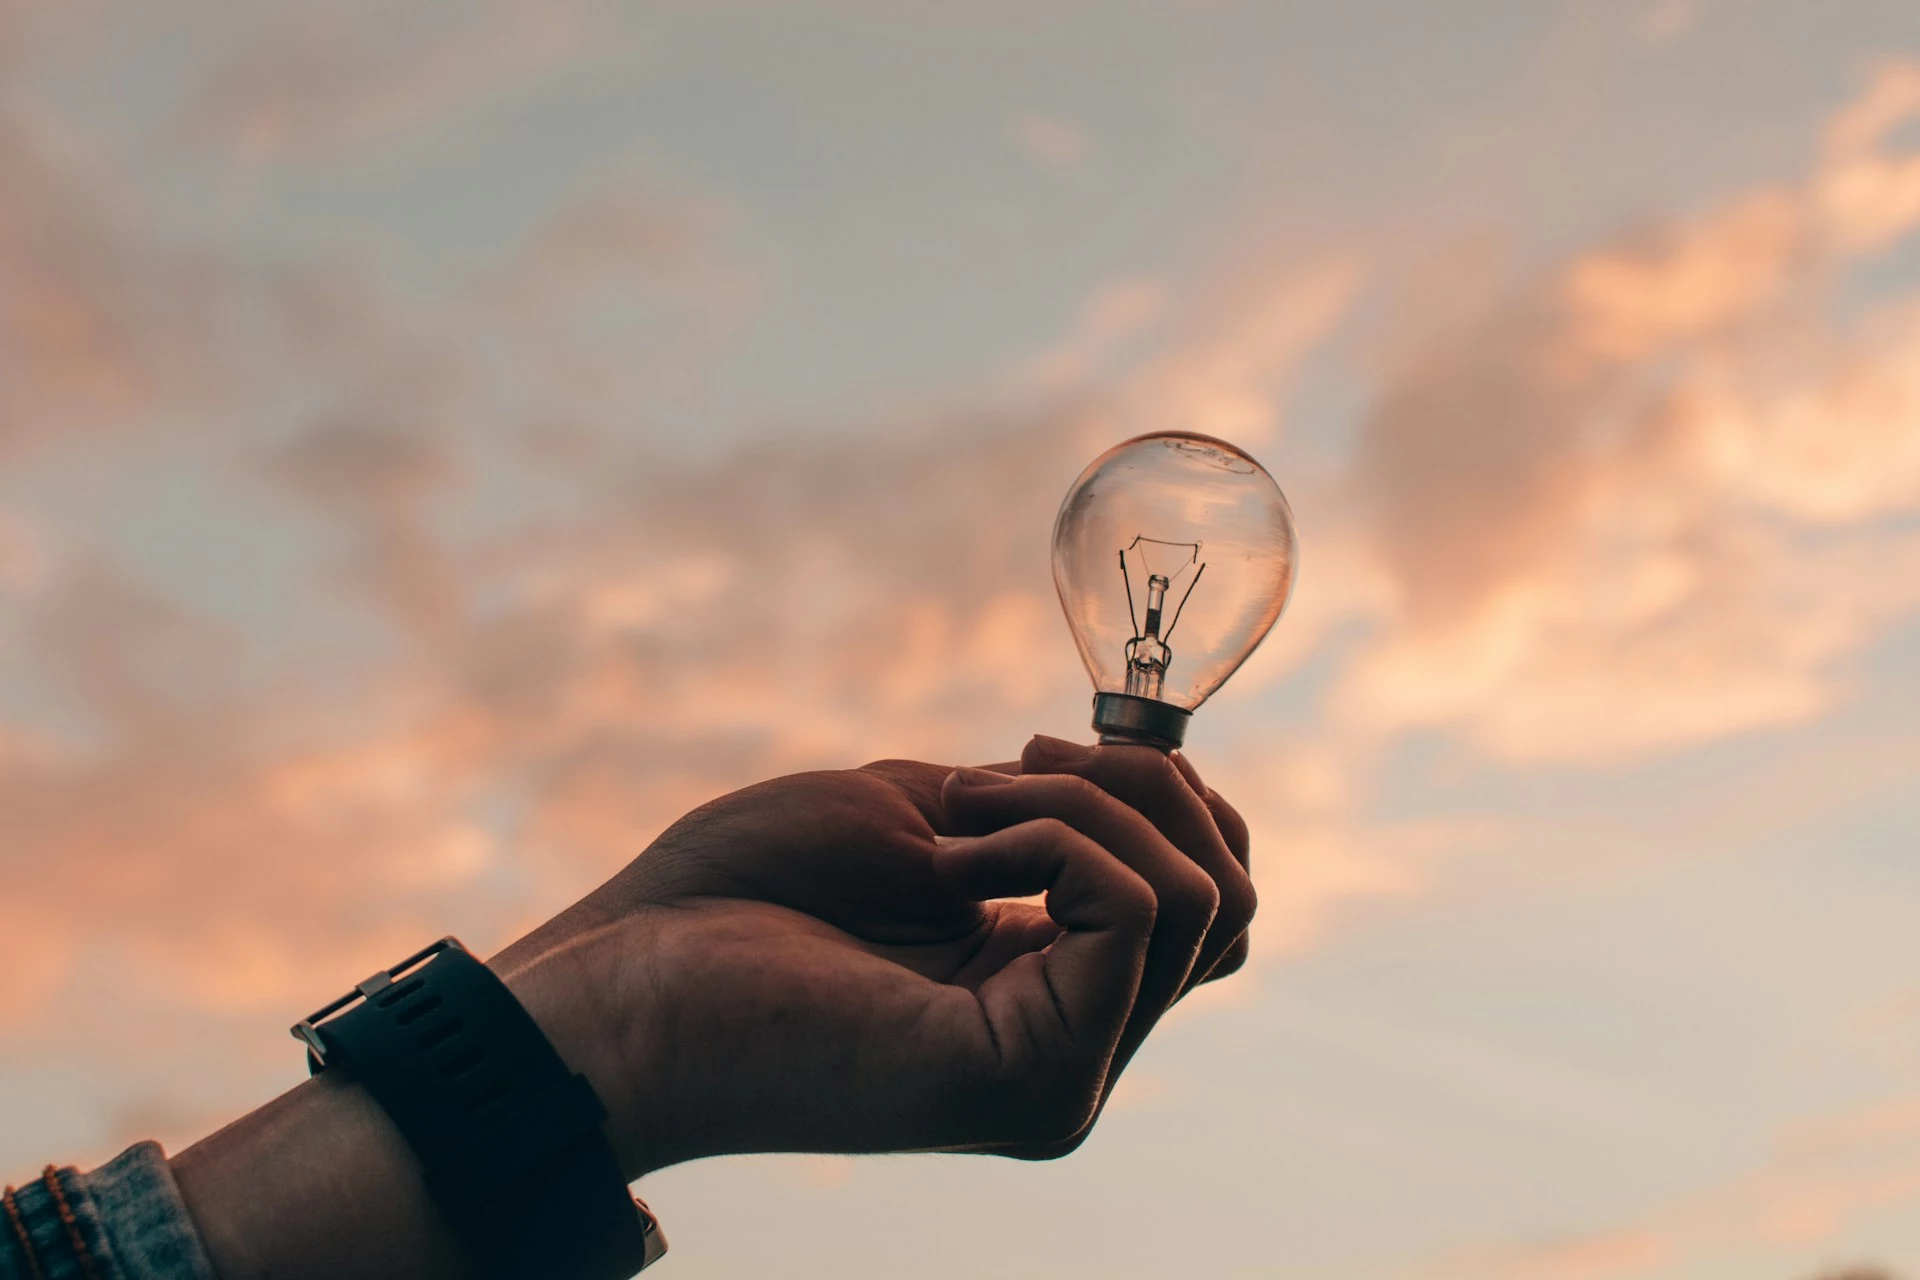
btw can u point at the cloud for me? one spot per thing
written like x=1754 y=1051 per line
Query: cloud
x=1315 y=849
x=627 y=294
x=558 y=684
x=1864 y=197
x=112 y=328
x=580 y=634
x=211 y=820
x=1614 y=1255
x=1233 y=349
x=1822 y=1181
x=574 y=690
x=326 y=84
x=98 y=324
x=377 y=468
x=1642 y=503
x=1666 y=21
x=1052 y=142
x=1114 y=318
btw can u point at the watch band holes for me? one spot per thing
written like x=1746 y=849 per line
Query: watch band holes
x=389 y=999
x=464 y=1061
x=441 y=1032
x=418 y=1010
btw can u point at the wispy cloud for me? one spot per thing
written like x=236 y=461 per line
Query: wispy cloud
x=1823 y=1180
x=1053 y=142
x=1640 y=505
x=326 y=84
x=98 y=322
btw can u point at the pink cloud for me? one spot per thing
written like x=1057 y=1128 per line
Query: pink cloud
x=1824 y=1180
x=1051 y=141
x=1597 y=508
x=1612 y=1255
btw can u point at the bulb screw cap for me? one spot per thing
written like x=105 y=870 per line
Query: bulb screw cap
x=1129 y=718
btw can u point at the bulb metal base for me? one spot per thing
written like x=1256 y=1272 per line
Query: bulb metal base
x=1126 y=717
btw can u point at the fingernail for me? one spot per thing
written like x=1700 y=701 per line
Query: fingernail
x=980 y=778
x=1060 y=748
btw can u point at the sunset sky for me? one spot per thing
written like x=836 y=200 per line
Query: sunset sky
x=442 y=443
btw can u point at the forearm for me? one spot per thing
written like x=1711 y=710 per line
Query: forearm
x=317 y=1183
x=320 y=1183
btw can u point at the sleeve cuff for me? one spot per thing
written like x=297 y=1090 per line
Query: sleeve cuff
x=123 y=1221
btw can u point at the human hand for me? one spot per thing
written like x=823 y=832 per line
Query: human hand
x=1217 y=905
x=823 y=962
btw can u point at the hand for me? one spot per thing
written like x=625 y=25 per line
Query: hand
x=1219 y=902
x=823 y=962
x=819 y=963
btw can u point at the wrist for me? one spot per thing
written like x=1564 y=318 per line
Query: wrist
x=568 y=985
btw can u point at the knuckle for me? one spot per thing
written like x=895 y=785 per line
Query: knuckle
x=1066 y=1112
x=1077 y=789
x=1043 y=1151
x=1232 y=826
x=1050 y=830
x=1165 y=772
x=1033 y=1110
x=1238 y=901
x=1156 y=770
x=1040 y=1105
x=1197 y=898
x=1136 y=902
x=1232 y=962
x=1056 y=1148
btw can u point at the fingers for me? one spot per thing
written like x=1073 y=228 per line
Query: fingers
x=1233 y=828
x=1185 y=895
x=920 y=783
x=1231 y=961
x=1054 y=1016
x=1167 y=791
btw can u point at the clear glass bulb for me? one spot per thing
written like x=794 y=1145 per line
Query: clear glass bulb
x=1174 y=556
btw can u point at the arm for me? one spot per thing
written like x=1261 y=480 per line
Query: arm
x=318 y=1182
x=852 y=926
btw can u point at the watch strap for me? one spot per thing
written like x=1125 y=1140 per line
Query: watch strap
x=509 y=1138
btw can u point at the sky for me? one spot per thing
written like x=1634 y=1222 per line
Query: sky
x=442 y=443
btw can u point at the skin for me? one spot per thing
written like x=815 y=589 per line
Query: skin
x=824 y=962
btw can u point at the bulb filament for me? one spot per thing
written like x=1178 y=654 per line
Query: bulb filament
x=1148 y=654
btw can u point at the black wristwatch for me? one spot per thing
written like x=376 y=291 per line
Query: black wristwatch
x=509 y=1138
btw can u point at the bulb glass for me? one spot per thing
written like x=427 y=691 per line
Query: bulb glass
x=1174 y=555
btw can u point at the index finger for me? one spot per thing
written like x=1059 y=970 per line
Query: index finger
x=1150 y=782
x=920 y=783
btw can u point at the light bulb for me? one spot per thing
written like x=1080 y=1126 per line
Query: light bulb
x=1174 y=555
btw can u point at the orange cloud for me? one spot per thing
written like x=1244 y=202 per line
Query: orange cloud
x=1640 y=506
x=1615 y=1255
x=1823 y=1181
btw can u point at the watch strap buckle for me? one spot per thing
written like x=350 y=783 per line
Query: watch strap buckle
x=307 y=1030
